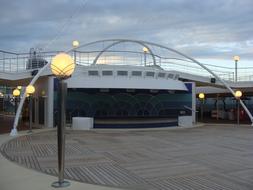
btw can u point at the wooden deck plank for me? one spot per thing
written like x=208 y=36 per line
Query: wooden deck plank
x=211 y=157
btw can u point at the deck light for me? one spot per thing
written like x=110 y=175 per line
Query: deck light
x=236 y=59
x=238 y=95
x=75 y=43
x=30 y=89
x=201 y=95
x=62 y=67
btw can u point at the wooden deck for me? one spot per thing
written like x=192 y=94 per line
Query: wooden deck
x=210 y=157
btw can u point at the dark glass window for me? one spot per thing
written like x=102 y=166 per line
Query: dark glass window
x=93 y=73
x=122 y=73
x=106 y=73
x=136 y=73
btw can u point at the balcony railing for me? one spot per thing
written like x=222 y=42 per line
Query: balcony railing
x=13 y=63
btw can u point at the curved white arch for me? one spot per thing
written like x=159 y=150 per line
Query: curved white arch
x=123 y=41
x=14 y=130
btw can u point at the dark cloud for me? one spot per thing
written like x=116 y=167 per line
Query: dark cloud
x=201 y=28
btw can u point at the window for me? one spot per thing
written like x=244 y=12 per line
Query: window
x=93 y=73
x=106 y=73
x=136 y=73
x=176 y=76
x=150 y=74
x=170 y=75
x=162 y=75
x=122 y=73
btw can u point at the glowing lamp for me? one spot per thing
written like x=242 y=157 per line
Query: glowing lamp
x=145 y=50
x=75 y=43
x=43 y=93
x=19 y=87
x=16 y=92
x=201 y=95
x=30 y=89
x=236 y=58
x=62 y=66
x=1 y=94
x=238 y=94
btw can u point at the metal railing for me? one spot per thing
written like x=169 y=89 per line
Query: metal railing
x=13 y=62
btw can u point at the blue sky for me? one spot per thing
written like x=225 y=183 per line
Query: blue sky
x=204 y=29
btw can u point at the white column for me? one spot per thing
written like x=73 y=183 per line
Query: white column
x=193 y=102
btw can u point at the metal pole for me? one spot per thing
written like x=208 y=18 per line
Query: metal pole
x=202 y=106
x=238 y=112
x=235 y=70
x=30 y=114
x=16 y=104
x=145 y=59
x=61 y=135
x=75 y=56
x=217 y=108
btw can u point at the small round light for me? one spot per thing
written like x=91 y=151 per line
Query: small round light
x=238 y=94
x=75 y=43
x=30 y=89
x=16 y=92
x=201 y=95
x=236 y=58
x=145 y=50
x=19 y=87
x=1 y=94
x=43 y=93
x=62 y=66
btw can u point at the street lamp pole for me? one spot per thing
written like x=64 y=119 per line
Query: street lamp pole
x=238 y=95
x=16 y=94
x=236 y=59
x=75 y=44
x=201 y=98
x=62 y=67
x=145 y=51
x=30 y=89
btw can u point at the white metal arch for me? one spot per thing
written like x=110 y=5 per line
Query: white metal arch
x=124 y=41
x=14 y=130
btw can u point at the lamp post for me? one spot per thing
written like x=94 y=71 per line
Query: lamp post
x=238 y=95
x=201 y=98
x=30 y=89
x=75 y=45
x=145 y=51
x=236 y=59
x=62 y=67
x=16 y=94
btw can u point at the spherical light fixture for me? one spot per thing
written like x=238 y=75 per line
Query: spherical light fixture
x=30 y=89
x=75 y=43
x=19 y=87
x=16 y=92
x=236 y=58
x=43 y=93
x=62 y=66
x=145 y=50
x=1 y=94
x=201 y=95
x=238 y=94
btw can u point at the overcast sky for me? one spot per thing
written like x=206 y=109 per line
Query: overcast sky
x=205 y=29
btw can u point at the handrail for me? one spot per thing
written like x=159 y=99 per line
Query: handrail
x=189 y=108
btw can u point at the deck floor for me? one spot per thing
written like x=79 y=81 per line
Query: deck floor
x=209 y=157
